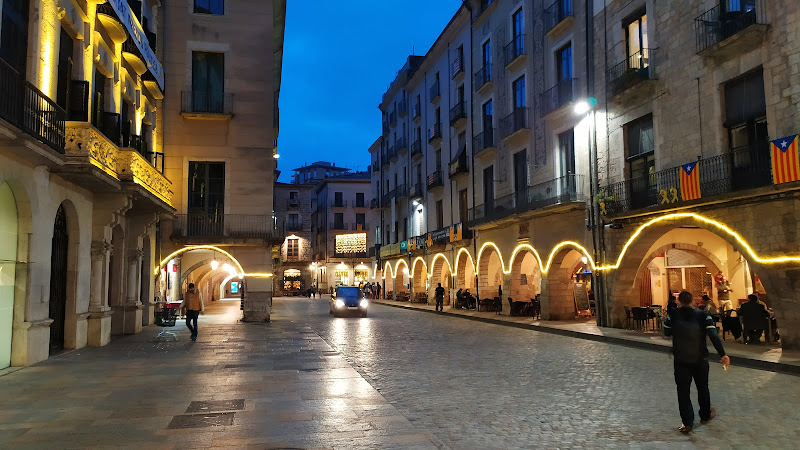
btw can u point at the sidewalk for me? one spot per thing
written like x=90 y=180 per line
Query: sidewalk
x=766 y=357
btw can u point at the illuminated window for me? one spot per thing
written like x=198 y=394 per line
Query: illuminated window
x=292 y=248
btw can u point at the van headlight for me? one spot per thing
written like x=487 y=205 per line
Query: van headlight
x=339 y=303
x=364 y=303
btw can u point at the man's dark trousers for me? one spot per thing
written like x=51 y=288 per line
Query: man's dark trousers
x=684 y=373
x=440 y=303
x=191 y=317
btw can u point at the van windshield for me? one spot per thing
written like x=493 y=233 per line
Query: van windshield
x=347 y=292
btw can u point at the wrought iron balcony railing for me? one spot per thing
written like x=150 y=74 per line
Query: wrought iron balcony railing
x=398 y=192
x=742 y=168
x=516 y=121
x=459 y=165
x=27 y=108
x=435 y=180
x=338 y=226
x=482 y=77
x=416 y=191
x=458 y=112
x=514 y=49
x=416 y=111
x=393 y=118
x=484 y=140
x=400 y=145
x=435 y=132
x=633 y=69
x=402 y=109
x=557 y=96
x=727 y=19
x=457 y=67
x=193 y=102
x=556 y=13
x=218 y=226
x=561 y=190
x=416 y=148
x=434 y=91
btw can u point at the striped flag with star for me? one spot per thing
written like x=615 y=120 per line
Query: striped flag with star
x=690 y=181
x=785 y=160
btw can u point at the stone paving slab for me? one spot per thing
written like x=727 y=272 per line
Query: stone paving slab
x=768 y=357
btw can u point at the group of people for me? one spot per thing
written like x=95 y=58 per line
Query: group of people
x=754 y=315
x=465 y=299
x=371 y=290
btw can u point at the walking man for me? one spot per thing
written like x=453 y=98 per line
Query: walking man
x=439 y=294
x=689 y=327
x=193 y=305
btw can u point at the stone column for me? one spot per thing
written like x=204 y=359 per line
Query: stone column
x=99 y=322
x=132 y=317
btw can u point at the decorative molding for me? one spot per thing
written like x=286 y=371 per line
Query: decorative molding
x=100 y=249
x=133 y=167
x=84 y=141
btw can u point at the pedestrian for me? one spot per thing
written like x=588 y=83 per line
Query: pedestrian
x=500 y=292
x=379 y=290
x=193 y=305
x=689 y=327
x=439 y=294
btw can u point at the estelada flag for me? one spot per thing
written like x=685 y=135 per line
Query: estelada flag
x=785 y=160
x=690 y=181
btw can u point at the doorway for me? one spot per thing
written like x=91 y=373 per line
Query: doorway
x=8 y=258
x=58 y=281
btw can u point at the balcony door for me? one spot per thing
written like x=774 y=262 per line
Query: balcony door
x=746 y=120
x=521 y=179
x=14 y=34
x=641 y=162
x=636 y=41
x=488 y=189
x=208 y=82
x=66 y=45
x=566 y=158
x=206 y=208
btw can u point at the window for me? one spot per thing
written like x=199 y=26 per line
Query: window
x=206 y=188
x=292 y=249
x=564 y=63
x=439 y=215
x=359 y=199
x=294 y=198
x=208 y=82
x=487 y=56
x=517 y=24
x=293 y=222
x=518 y=88
x=566 y=150
x=460 y=94
x=488 y=188
x=209 y=7
x=635 y=31
x=337 y=199
x=361 y=219
x=438 y=159
x=396 y=232
x=746 y=120
x=463 y=206
x=338 y=221
x=641 y=160
x=14 y=33
x=521 y=176
x=64 y=69
x=438 y=116
x=487 y=115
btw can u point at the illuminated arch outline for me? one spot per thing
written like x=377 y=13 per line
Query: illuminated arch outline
x=458 y=258
x=433 y=264
x=397 y=267
x=499 y=254
x=414 y=266
x=216 y=249
x=387 y=268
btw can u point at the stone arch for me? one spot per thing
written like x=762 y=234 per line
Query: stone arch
x=465 y=271
x=388 y=281
x=71 y=292
x=526 y=276
x=440 y=273
x=682 y=234
x=558 y=296
x=401 y=277
x=490 y=272
x=419 y=276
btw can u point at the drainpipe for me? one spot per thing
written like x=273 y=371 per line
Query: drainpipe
x=472 y=156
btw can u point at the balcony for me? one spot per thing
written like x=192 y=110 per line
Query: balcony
x=484 y=141
x=416 y=112
x=514 y=51
x=292 y=203
x=393 y=118
x=566 y=189
x=27 y=108
x=374 y=203
x=392 y=154
x=398 y=192
x=730 y=31
x=339 y=204
x=514 y=123
x=458 y=114
x=632 y=71
x=457 y=67
x=435 y=180
x=483 y=79
x=338 y=226
x=385 y=158
x=483 y=8
x=214 y=227
x=558 y=16
x=434 y=92
x=402 y=109
x=416 y=192
x=416 y=149
x=400 y=146
x=740 y=169
x=294 y=227
x=206 y=105
x=385 y=127
x=435 y=133
x=362 y=226
x=376 y=167
x=458 y=166
x=360 y=203
x=135 y=142
x=558 y=96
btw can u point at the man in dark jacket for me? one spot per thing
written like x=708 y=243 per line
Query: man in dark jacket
x=755 y=319
x=689 y=327
x=439 y=294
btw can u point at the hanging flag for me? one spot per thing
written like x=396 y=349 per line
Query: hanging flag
x=690 y=181
x=785 y=160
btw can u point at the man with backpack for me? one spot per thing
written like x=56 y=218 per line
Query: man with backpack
x=689 y=327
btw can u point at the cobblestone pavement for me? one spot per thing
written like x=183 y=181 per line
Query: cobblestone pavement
x=479 y=385
x=397 y=379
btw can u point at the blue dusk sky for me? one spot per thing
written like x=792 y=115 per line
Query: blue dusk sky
x=339 y=58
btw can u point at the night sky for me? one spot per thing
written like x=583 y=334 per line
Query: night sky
x=339 y=58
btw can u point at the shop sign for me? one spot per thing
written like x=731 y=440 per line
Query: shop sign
x=403 y=245
x=136 y=33
x=440 y=236
x=416 y=243
x=390 y=250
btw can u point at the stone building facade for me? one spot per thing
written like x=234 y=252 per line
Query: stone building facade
x=293 y=206
x=602 y=193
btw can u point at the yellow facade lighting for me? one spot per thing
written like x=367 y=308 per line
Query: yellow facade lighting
x=397 y=266
x=574 y=245
x=499 y=254
x=189 y=248
x=529 y=248
x=259 y=275
x=433 y=264
x=387 y=268
x=458 y=258
x=414 y=265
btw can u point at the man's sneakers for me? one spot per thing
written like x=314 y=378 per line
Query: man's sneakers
x=710 y=416
x=194 y=338
x=685 y=428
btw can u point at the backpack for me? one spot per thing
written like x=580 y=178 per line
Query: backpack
x=688 y=337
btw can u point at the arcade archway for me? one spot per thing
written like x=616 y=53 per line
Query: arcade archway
x=490 y=273
x=526 y=276
x=441 y=274
x=465 y=272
